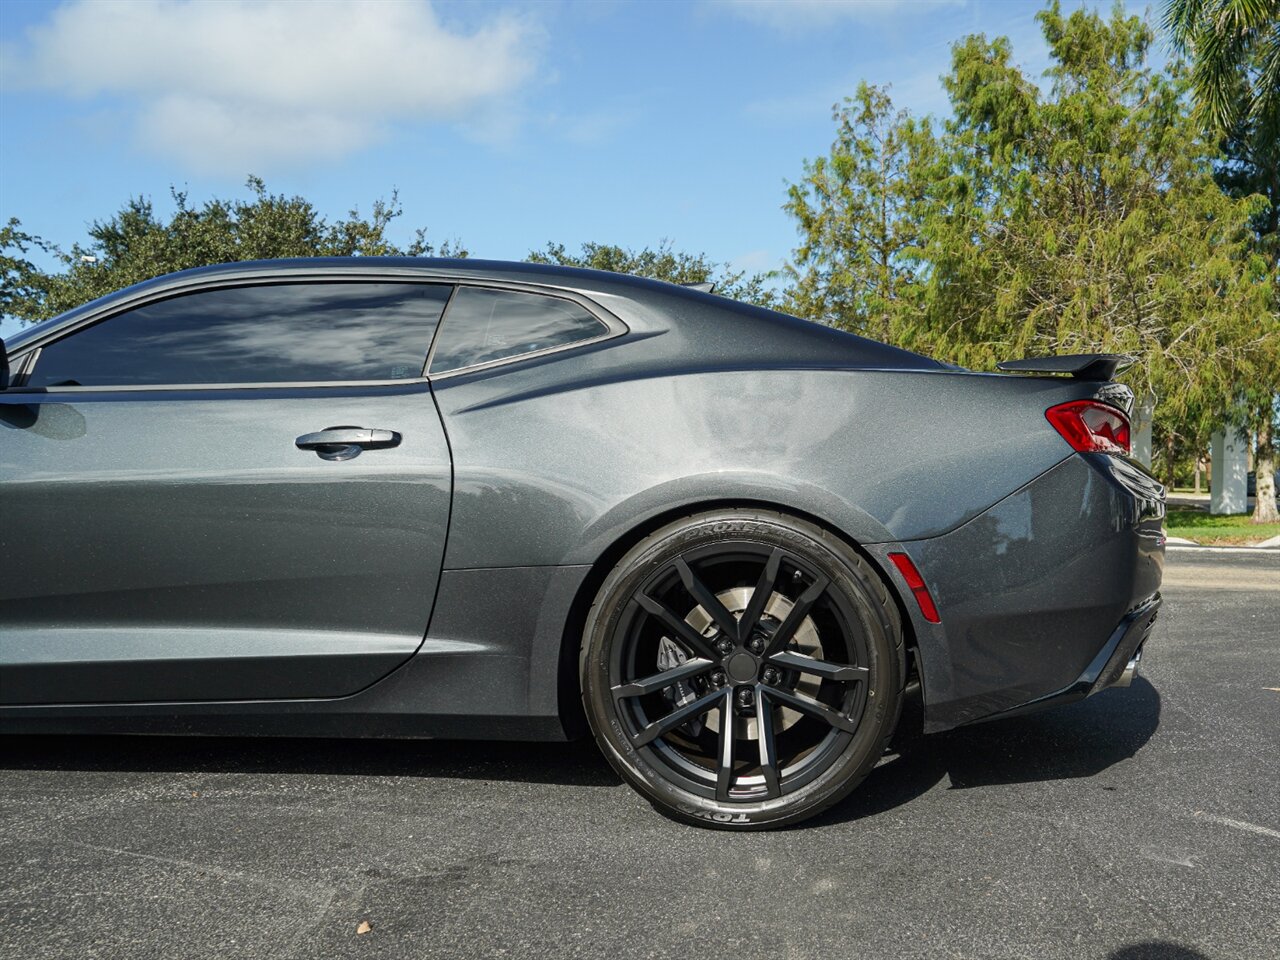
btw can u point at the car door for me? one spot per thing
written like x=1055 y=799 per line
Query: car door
x=235 y=493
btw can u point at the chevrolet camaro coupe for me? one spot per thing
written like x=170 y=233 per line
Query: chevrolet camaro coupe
x=468 y=499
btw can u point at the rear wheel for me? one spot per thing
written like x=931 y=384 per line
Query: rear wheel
x=742 y=669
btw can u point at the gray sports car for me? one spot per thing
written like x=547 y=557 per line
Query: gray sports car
x=467 y=499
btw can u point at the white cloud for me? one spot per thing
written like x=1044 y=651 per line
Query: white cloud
x=232 y=86
x=590 y=128
x=805 y=14
x=913 y=77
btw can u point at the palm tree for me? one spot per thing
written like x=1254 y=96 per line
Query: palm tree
x=1235 y=50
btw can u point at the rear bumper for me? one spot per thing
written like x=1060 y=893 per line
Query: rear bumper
x=1113 y=666
x=1043 y=596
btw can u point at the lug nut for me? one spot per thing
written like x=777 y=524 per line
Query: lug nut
x=725 y=646
x=771 y=676
x=756 y=645
x=745 y=697
x=718 y=678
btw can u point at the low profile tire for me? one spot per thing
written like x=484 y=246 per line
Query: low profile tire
x=742 y=669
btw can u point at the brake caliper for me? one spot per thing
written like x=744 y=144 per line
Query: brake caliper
x=679 y=693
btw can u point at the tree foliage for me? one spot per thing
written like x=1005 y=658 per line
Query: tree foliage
x=21 y=281
x=662 y=262
x=858 y=211
x=136 y=244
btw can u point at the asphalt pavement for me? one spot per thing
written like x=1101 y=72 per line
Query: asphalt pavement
x=1141 y=823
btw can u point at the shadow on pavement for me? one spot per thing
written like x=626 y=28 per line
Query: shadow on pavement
x=1156 y=950
x=575 y=764
x=1079 y=740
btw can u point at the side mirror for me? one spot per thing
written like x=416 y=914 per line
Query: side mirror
x=4 y=367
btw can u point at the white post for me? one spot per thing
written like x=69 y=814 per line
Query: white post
x=1228 y=483
x=1143 y=414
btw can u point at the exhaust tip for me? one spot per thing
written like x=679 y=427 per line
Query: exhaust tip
x=1130 y=670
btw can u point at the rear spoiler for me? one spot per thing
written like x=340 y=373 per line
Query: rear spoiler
x=1082 y=366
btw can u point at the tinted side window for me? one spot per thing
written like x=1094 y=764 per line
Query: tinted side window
x=485 y=325
x=264 y=334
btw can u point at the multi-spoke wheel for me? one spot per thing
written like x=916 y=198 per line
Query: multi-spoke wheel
x=742 y=668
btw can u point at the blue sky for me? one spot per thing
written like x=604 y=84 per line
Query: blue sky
x=503 y=124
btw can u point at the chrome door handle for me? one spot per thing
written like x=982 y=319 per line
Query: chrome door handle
x=343 y=443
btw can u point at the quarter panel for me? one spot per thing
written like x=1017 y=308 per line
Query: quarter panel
x=555 y=460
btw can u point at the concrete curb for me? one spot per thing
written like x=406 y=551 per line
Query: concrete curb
x=1180 y=543
x=1198 y=548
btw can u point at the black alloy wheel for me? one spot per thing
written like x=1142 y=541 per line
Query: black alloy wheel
x=743 y=669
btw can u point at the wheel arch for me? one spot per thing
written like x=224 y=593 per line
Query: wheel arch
x=572 y=717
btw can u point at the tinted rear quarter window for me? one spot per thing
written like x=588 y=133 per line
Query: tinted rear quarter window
x=298 y=332
x=484 y=325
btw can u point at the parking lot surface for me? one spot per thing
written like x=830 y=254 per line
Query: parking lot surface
x=1141 y=823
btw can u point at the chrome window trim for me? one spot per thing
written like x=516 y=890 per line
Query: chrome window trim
x=504 y=361
x=221 y=387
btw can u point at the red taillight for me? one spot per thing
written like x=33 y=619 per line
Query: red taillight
x=1090 y=426
x=916 y=583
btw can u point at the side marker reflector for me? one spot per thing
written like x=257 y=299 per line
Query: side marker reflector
x=917 y=585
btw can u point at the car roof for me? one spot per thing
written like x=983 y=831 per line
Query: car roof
x=452 y=267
